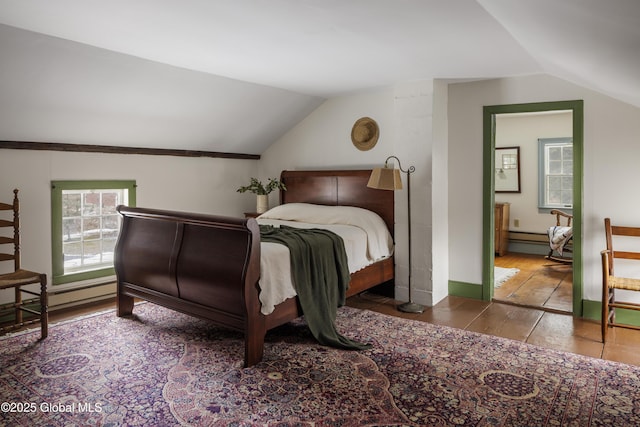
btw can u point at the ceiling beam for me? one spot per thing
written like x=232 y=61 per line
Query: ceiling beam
x=110 y=149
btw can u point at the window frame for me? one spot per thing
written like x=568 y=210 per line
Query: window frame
x=542 y=163
x=57 y=256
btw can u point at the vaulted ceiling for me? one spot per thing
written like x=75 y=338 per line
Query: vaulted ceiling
x=234 y=75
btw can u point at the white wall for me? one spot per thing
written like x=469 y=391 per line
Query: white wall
x=440 y=192
x=201 y=184
x=323 y=139
x=404 y=114
x=611 y=153
x=523 y=130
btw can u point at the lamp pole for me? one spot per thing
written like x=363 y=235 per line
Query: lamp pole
x=410 y=306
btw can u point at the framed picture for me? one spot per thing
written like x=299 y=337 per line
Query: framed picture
x=507 y=169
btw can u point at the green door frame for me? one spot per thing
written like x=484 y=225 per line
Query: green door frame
x=489 y=144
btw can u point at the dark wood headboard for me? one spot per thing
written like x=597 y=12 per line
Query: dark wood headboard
x=338 y=188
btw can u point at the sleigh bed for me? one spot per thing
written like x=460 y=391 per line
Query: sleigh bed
x=209 y=266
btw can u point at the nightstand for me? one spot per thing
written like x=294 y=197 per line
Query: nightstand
x=251 y=214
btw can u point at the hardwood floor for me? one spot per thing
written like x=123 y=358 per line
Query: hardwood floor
x=535 y=326
x=540 y=283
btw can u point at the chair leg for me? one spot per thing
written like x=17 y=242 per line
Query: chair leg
x=44 y=307
x=605 y=313
x=18 y=305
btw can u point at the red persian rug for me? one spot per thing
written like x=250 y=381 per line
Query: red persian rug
x=162 y=368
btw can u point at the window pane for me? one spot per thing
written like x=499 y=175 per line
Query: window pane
x=555 y=183
x=71 y=229
x=555 y=196
x=110 y=226
x=71 y=205
x=555 y=153
x=72 y=254
x=567 y=152
x=110 y=200
x=108 y=249
x=555 y=167
x=90 y=204
x=555 y=172
x=90 y=226
x=91 y=252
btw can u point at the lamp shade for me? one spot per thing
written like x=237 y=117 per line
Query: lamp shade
x=385 y=179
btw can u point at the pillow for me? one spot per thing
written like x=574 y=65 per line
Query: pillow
x=379 y=240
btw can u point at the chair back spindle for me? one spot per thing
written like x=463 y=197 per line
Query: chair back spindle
x=19 y=278
x=622 y=237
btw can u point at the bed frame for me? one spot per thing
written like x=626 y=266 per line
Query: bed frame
x=208 y=266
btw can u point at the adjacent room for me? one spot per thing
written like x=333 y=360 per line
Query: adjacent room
x=455 y=160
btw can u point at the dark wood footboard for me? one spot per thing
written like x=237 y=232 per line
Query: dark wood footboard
x=202 y=265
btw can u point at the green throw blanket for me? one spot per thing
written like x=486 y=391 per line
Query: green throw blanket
x=321 y=278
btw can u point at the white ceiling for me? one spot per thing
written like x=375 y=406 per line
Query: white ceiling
x=317 y=49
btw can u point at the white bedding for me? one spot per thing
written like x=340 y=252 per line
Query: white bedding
x=365 y=235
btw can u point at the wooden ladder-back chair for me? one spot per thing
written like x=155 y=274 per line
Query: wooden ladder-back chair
x=559 y=237
x=610 y=281
x=19 y=277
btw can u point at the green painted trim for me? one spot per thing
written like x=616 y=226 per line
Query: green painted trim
x=593 y=310
x=467 y=290
x=488 y=134
x=84 y=275
x=57 y=256
x=578 y=191
x=629 y=317
x=488 y=195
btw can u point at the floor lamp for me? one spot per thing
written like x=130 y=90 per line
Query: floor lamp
x=389 y=179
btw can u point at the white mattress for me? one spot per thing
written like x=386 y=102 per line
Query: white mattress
x=276 y=284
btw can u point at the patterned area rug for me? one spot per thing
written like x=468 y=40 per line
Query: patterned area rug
x=162 y=368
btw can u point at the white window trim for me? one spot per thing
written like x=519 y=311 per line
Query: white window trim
x=542 y=161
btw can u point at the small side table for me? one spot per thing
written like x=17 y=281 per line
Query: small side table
x=251 y=214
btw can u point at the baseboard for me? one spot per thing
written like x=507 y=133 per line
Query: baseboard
x=7 y=317
x=466 y=290
x=593 y=310
x=88 y=302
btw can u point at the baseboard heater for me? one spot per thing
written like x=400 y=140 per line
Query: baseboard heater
x=528 y=237
x=529 y=243
x=81 y=288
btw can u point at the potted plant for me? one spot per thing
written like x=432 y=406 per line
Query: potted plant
x=262 y=191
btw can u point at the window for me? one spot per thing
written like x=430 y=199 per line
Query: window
x=85 y=227
x=555 y=157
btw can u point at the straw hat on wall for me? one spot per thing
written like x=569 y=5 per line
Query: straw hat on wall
x=365 y=133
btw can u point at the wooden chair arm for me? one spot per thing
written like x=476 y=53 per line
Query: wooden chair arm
x=559 y=214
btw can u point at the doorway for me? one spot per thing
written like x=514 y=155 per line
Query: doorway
x=489 y=200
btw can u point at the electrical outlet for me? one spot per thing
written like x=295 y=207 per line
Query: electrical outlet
x=516 y=223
